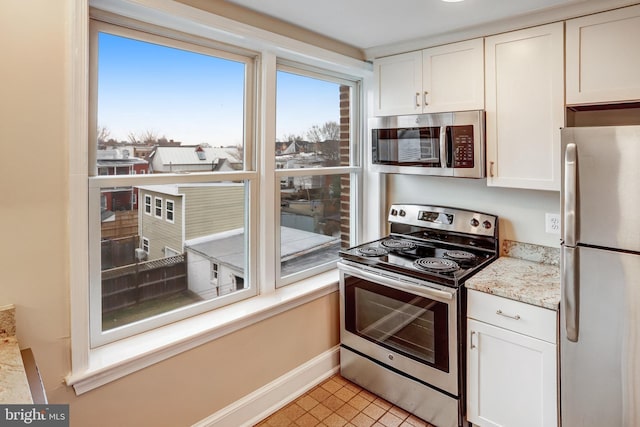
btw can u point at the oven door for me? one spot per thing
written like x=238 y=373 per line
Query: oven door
x=410 y=328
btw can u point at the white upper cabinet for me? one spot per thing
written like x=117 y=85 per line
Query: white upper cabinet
x=439 y=79
x=524 y=84
x=603 y=57
x=398 y=84
x=453 y=77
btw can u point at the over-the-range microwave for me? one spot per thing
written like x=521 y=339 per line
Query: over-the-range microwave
x=442 y=144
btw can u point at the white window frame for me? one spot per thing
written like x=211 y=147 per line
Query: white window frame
x=145 y=244
x=157 y=207
x=249 y=176
x=353 y=170
x=148 y=205
x=167 y=210
x=92 y=367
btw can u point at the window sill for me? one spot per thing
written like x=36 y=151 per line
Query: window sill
x=116 y=360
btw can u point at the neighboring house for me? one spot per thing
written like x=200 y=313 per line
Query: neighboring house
x=198 y=158
x=205 y=222
x=215 y=263
x=171 y=214
x=119 y=162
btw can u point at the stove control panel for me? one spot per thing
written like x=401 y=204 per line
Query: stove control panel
x=444 y=218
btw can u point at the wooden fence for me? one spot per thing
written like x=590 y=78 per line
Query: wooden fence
x=144 y=281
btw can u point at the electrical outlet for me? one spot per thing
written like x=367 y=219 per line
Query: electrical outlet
x=552 y=223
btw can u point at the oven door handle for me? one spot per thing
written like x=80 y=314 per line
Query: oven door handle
x=398 y=284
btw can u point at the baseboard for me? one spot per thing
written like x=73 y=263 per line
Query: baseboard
x=258 y=405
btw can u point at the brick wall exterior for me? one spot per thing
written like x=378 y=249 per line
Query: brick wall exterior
x=345 y=183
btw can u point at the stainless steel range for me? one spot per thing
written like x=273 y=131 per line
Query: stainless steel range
x=403 y=305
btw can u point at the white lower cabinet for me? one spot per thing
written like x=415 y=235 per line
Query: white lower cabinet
x=511 y=363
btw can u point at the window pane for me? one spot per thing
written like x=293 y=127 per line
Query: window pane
x=314 y=133
x=151 y=266
x=314 y=209
x=162 y=109
x=314 y=220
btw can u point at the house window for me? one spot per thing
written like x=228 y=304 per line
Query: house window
x=169 y=210
x=147 y=204
x=198 y=103
x=315 y=169
x=157 y=202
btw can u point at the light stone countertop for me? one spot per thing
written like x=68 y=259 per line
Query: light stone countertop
x=14 y=386
x=532 y=282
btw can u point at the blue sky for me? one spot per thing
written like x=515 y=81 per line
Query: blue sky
x=194 y=98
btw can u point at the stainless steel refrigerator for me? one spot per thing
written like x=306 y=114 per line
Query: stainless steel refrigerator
x=600 y=308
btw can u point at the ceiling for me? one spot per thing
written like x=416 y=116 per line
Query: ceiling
x=367 y=24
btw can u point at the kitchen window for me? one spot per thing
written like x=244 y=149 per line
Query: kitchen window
x=187 y=107
x=225 y=196
x=315 y=148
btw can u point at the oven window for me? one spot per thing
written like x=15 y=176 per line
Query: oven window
x=405 y=323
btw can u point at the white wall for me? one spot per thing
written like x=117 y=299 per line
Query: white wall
x=521 y=212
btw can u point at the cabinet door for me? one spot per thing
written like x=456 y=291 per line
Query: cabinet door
x=398 y=84
x=511 y=378
x=453 y=77
x=603 y=57
x=525 y=107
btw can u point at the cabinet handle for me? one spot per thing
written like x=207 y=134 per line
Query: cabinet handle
x=491 y=169
x=417 y=99
x=500 y=313
x=471 y=340
x=424 y=98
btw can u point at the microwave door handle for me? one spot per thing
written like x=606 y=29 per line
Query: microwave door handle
x=443 y=146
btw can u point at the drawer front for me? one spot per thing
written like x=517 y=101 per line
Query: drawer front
x=527 y=319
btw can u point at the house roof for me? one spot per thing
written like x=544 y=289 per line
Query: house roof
x=176 y=189
x=228 y=247
x=189 y=155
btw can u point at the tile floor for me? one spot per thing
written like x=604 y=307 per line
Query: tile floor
x=338 y=402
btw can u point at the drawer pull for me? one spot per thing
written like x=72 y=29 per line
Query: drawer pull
x=500 y=313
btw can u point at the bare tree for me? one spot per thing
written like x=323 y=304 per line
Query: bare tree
x=103 y=134
x=149 y=136
x=330 y=131
x=291 y=137
x=133 y=138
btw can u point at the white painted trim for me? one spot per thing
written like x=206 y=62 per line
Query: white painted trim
x=115 y=360
x=179 y=16
x=78 y=216
x=258 y=405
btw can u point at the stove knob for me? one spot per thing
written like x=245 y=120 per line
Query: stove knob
x=402 y=213
x=475 y=222
x=486 y=225
x=394 y=212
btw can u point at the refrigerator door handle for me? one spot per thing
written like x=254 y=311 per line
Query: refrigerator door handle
x=570 y=194
x=570 y=292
